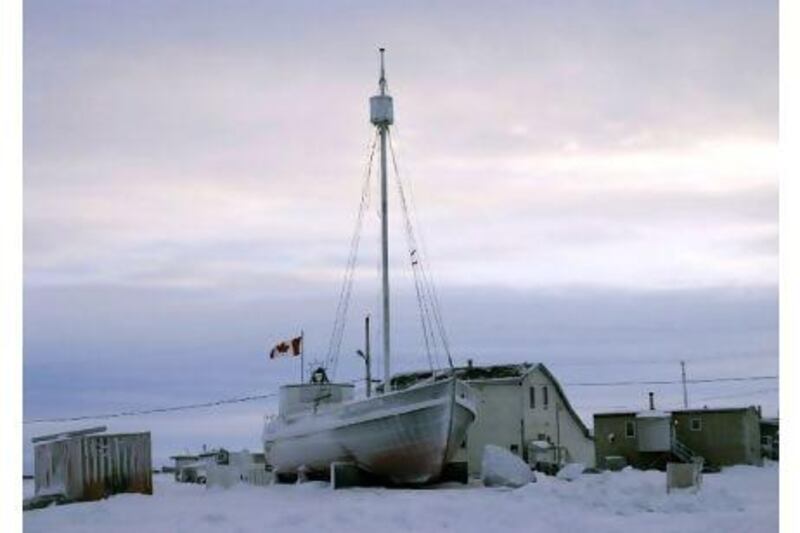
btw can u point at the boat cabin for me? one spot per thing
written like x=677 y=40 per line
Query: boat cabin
x=304 y=397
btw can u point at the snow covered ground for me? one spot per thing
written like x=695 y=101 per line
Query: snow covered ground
x=740 y=499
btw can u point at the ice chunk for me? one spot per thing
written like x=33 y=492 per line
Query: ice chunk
x=499 y=467
x=571 y=471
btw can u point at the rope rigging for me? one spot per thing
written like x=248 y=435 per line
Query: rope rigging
x=337 y=332
x=427 y=299
x=433 y=330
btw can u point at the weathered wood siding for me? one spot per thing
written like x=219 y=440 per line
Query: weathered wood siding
x=94 y=467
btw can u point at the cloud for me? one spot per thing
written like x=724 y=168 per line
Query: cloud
x=155 y=148
x=95 y=349
x=595 y=183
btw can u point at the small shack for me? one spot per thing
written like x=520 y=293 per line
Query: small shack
x=770 y=438
x=182 y=461
x=88 y=464
x=650 y=439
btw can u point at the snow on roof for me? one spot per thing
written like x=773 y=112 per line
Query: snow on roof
x=653 y=413
x=715 y=410
x=699 y=410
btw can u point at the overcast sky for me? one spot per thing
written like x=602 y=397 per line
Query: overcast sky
x=596 y=184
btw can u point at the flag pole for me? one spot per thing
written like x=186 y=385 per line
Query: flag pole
x=302 y=356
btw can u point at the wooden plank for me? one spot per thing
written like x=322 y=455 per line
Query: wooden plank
x=69 y=434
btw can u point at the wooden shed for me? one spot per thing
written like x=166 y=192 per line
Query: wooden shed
x=90 y=465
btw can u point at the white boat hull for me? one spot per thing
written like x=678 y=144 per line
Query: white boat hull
x=405 y=436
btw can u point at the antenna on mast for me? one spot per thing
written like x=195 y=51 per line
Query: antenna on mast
x=382 y=81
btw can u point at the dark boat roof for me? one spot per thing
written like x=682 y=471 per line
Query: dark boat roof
x=466 y=373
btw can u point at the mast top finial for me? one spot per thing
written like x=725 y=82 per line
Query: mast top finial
x=382 y=81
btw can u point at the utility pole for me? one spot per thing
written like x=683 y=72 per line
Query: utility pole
x=302 y=356
x=683 y=380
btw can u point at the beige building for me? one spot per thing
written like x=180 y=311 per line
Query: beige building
x=523 y=409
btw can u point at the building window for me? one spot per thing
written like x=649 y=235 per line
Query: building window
x=544 y=396
x=630 y=429
x=533 y=397
x=696 y=424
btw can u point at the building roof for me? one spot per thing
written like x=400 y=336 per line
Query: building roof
x=492 y=374
x=653 y=413
x=676 y=411
x=714 y=410
x=66 y=435
x=615 y=413
x=466 y=373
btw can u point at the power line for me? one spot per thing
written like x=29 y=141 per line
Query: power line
x=704 y=398
x=667 y=382
x=243 y=399
x=738 y=395
x=139 y=412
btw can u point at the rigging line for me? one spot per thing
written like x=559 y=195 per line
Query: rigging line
x=426 y=281
x=422 y=303
x=334 y=344
x=426 y=312
x=426 y=273
x=668 y=382
x=348 y=291
x=425 y=320
x=365 y=196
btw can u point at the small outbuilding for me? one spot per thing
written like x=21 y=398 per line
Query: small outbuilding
x=770 y=438
x=182 y=461
x=649 y=439
x=90 y=465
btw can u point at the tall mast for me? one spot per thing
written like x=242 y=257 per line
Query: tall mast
x=382 y=115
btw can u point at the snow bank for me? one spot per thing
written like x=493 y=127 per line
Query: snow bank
x=740 y=499
x=571 y=471
x=501 y=468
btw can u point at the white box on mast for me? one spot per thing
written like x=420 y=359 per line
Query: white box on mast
x=381 y=110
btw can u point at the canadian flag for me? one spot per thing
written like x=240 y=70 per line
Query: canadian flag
x=291 y=348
